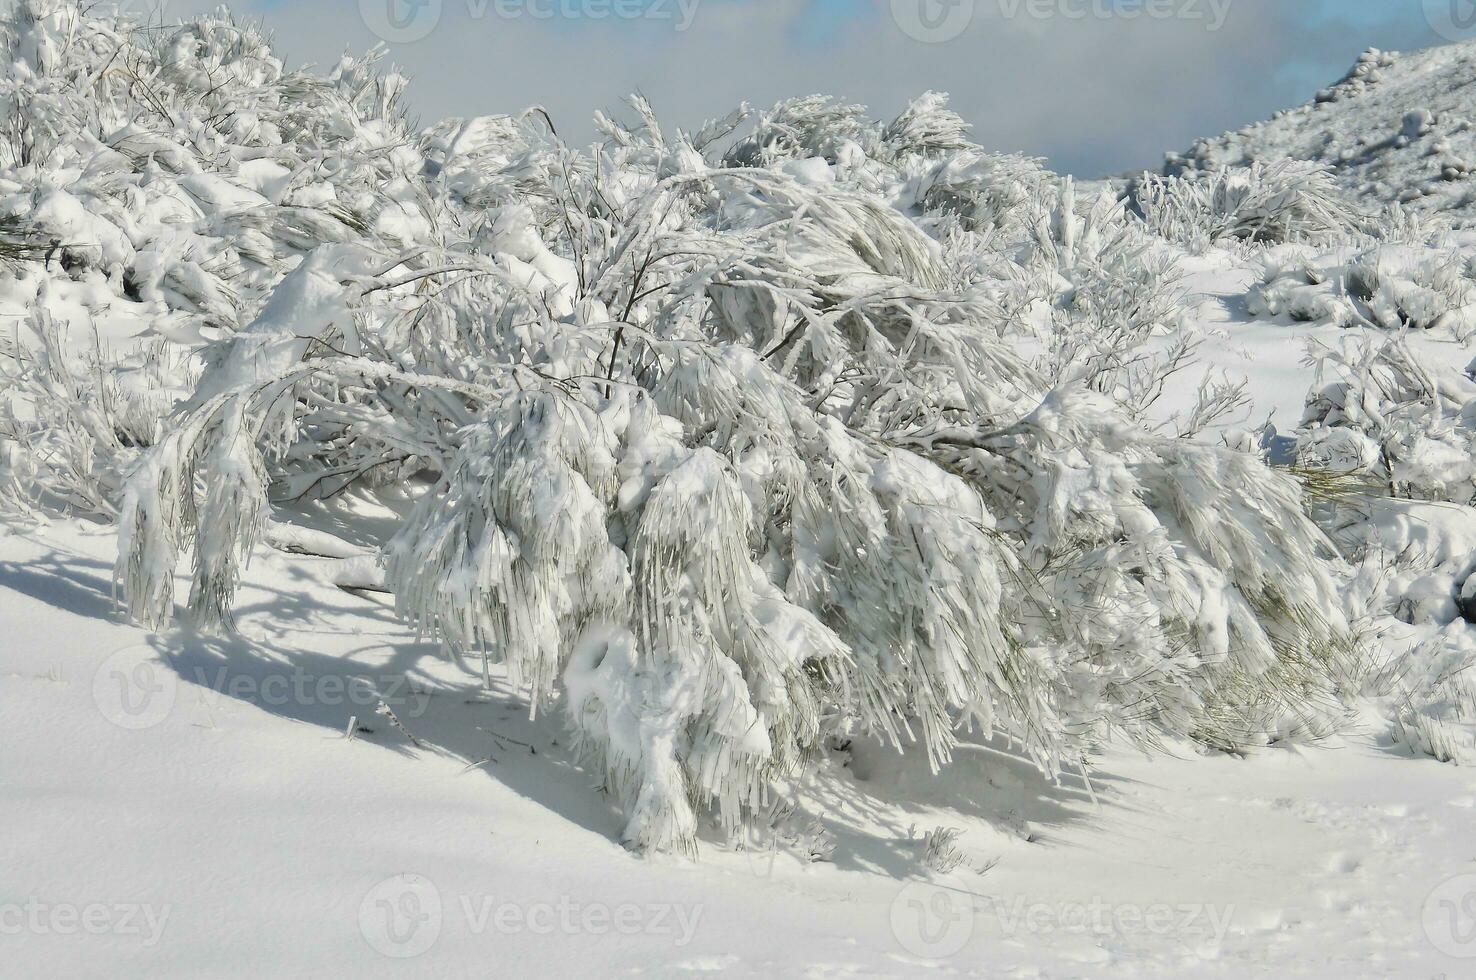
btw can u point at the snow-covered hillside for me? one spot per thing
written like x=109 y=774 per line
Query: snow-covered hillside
x=812 y=545
x=1400 y=127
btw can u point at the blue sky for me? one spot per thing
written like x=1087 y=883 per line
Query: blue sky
x=1094 y=94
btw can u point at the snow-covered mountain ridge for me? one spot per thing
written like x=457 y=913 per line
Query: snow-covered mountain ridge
x=1399 y=127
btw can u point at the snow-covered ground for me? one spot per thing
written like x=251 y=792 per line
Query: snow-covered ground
x=205 y=794
x=1270 y=354
x=321 y=789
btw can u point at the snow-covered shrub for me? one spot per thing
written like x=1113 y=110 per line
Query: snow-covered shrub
x=74 y=415
x=1434 y=707
x=1391 y=287
x=717 y=448
x=1110 y=291
x=1285 y=201
x=1380 y=410
x=1399 y=225
x=927 y=127
x=736 y=531
x=1168 y=565
x=1417 y=289
x=1391 y=438
x=813 y=126
x=1308 y=287
x=1425 y=554
x=820 y=126
x=186 y=166
x=923 y=157
x=989 y=192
